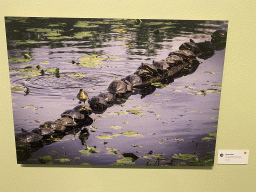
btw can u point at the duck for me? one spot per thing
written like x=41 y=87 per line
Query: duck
x=82 y=96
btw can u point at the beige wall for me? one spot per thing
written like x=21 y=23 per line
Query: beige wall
x=237 y=122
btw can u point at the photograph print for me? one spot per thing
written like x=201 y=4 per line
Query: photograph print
x=115 y=92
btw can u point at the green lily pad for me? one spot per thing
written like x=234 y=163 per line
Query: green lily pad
x=131 y=134
x=135 y=112
x=209 y=72
x=206 y=138
x=125 y=122
x=103 y=137
x=17 y=88
x=213 y=134
x=45 y=159
x=216 y=85
x=119 y=30
x=63 y=160
x=178 y=139
x=116 y=127
x=112 y=151
x=89 y=150
x=18 y=60
x=89 y=61
x=83 y=34
x=184 y=156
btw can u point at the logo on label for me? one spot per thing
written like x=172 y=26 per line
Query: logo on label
x=221 y=155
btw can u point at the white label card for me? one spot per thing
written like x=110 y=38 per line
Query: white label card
x=233 y=157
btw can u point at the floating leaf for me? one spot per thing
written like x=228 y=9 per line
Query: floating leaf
x=17 y=88
x=112 y=151
x=189 y=87
x=131 y=134
x=178 y=139
x=146 y=105
x=216 y=85
x=177 y=90
x=137 y=145
x=63 y=160
x=125 y=122
x=209 y=72
x=103 y=137
x=135 y=112
x=206 y=138
x=213 y=134
x=45 y=159
x=184 y=156
x=116 y=127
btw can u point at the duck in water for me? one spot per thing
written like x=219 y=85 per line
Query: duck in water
x=82 y=96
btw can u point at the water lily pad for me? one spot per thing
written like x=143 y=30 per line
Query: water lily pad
x=63 y=160
x=131 y=134
x=213 y=134
x=159 y=84
x=178 y=139
x=206 y=138
x=45 y=159
x=112 y=151
x=18 y=60
x=125 y=122
x=88 y=61
x=17 y=88
x=116 y=127
x=209 y=72
x=89 y=150
x=216 y=85
x=103 y=137
x=135 y=112
x=137 y=145
x=83 y=34
x=184 y=156
x=120 y=30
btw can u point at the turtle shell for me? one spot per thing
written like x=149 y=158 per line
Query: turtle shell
x=51 y=125
x=74 y=114
x=161 y=65
x=83 y=109
x=27 y=137
x=97 y=103
x=149 y=67
x=145 y=75
x=135 y=80
x=107 y=96
x=43 y=131
x=174 y=59
x=117 y=87
x=64 y=122
x=128 y=85
x=185 y=54
x=191 y=46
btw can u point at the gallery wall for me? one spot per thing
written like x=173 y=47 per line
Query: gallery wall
x=236 y=128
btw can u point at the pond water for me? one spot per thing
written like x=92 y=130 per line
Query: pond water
x=170 y=121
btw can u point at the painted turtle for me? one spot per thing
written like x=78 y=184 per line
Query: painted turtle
x=191 y=46
x=72 y=114
x=135 y=80
x=185 y=54
x=85 y=110
x=98 y=104
x=117 y=87
x=25 y=138
x=43 y=131
x=161 y=66
x=107 y=96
